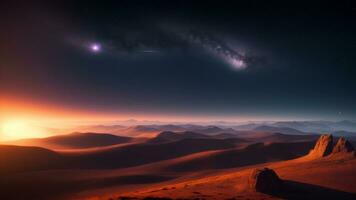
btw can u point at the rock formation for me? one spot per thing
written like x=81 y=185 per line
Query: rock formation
x=265 y=180
x=323 y=146
x=343 y=146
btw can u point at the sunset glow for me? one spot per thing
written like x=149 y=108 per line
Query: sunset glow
x=32 y=119
x=18 y=129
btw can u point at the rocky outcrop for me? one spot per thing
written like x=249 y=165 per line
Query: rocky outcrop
x=323 y=146
x=343 y=146
x=265 y=180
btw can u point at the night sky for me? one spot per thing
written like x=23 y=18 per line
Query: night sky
x=198 y=58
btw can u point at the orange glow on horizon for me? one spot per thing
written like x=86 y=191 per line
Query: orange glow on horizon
x=25 y=118
x=18 y=129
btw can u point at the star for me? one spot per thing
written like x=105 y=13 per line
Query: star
x=95 y=47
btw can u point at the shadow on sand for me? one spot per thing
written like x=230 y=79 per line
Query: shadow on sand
x=297 y=190
x=47 y=190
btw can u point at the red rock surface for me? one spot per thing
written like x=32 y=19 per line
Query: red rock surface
x=323 y=146
x=343 y=146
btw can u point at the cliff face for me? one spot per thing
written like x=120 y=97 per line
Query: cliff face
x=343 y=146
x=323 y=146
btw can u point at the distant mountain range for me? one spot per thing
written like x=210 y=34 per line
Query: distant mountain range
x=344 y=128
x=285 y=130
x=319 y=126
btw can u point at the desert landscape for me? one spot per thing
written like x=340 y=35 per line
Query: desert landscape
x=177 y=100
x=194 y=162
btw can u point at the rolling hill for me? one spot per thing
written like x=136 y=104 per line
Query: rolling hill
x=18 y=159
x=168 y=136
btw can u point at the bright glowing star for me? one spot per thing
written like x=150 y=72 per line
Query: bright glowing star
x=95 y=47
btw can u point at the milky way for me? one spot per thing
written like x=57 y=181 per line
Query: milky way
x=160 y=38
x=165 y=39
x=218 y=48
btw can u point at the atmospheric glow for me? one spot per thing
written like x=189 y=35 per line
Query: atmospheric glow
x=22 y=117
x=95 y=47
x=17 y=129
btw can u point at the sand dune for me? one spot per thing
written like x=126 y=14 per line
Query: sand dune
x=138 y=154
x=306 y=180
x=325 y=177
x=187 y=168
x=110 y=157
x=18 y=159
x=168 y=136
x=253 y=154
x=69 y=181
